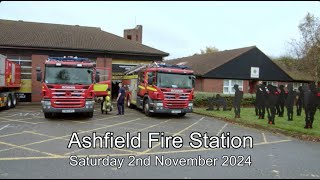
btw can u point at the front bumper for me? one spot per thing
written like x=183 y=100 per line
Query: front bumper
x=67 y=110
x=154 y=108
x=47 y=108
x=171 y=111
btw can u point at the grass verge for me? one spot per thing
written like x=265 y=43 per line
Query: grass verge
x=248 y=118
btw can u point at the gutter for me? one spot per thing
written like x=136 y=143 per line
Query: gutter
x=85 y=50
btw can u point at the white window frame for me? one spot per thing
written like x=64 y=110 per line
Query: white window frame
x=274 y=83
x=230 y=86
x=296 y=85
x=18 y=61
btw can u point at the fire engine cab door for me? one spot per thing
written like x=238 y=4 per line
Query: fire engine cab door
x=2 y=70
x=105 y=75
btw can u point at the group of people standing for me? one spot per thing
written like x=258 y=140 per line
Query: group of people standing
x=273 y=100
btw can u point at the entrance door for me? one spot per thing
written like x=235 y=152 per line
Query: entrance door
x=252 y=86
x=115 y=89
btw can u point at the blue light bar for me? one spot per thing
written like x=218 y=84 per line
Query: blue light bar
x=67 y=59
x=174 y=66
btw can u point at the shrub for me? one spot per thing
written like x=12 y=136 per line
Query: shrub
x=201 y=99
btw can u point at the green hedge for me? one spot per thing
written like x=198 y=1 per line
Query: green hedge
x=201 y=99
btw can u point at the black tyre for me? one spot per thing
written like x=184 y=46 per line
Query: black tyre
x=181 y=114
x=129 y=105
x=48 y=115
x=146 y=108
x=13 y=101
x=9 y=102
x=90 y=114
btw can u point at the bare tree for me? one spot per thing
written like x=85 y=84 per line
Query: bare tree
x=307 y=49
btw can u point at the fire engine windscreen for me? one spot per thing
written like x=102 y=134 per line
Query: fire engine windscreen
x=167 y=80
x=68 y=75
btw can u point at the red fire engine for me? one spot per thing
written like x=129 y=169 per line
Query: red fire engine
x=10 y=82
x=70 y=85
x=160 y=88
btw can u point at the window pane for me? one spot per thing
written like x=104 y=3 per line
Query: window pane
x=25 y=70
x=13 y=57
x=233 y=82
x=25 y=76
x=225 y=90
x=226 y=82
x=25 y=63
x=25 y=57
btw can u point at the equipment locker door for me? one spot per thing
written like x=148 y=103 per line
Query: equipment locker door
x=2 y=70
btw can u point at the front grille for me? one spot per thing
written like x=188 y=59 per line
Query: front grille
x=68 y=103
x=176 y=104
x=68 y=98
x=175 y=96
x=67 y=93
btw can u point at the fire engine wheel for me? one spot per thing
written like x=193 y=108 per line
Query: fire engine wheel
x=14 y=102
x=147 y=108
x=48 y=115
x=9 y=102
x=90 y=114
x=181 y=114
x=129 y=102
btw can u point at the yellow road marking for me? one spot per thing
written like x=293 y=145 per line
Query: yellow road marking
x=13 y=134
x=19 y=120
x=36 y=133
x=150 y=153
x=178 y=133
x=62 y=137
x=151 y=126
x=29 y=149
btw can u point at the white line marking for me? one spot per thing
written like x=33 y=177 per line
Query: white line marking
x=4 y=126
x=264 y=138
x=222 y=129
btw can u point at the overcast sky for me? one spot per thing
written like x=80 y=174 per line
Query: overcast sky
x=179 y=28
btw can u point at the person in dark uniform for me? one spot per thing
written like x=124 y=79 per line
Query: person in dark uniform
x=272 y=101
x=281 y=101
x=299 y=101
x=290 y=102
x=260 y=100
x=120 y=100
x=237 y=100
x=312 y=104
x=255 y=102
x=309 y=104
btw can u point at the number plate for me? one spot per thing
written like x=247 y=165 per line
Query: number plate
x=176 y=111
x=68 y=111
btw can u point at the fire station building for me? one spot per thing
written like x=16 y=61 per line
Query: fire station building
x=30 y=44
x=218 y=72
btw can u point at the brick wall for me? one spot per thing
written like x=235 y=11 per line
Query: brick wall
x=215 y=85
x=37 y=60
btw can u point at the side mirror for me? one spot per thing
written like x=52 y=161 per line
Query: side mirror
x=150 y=80
x=193 y=78
x=39 y=76
x=97 y=78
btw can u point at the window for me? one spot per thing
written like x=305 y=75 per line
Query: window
x=274 y=83
x=25 y=62
x=228 y=86
x=129 y=37
x=296 y=85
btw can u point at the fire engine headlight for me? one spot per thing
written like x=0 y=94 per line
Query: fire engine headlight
x=159 y=104
x=190 y=105
x=47 y=103
x=89 y=102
